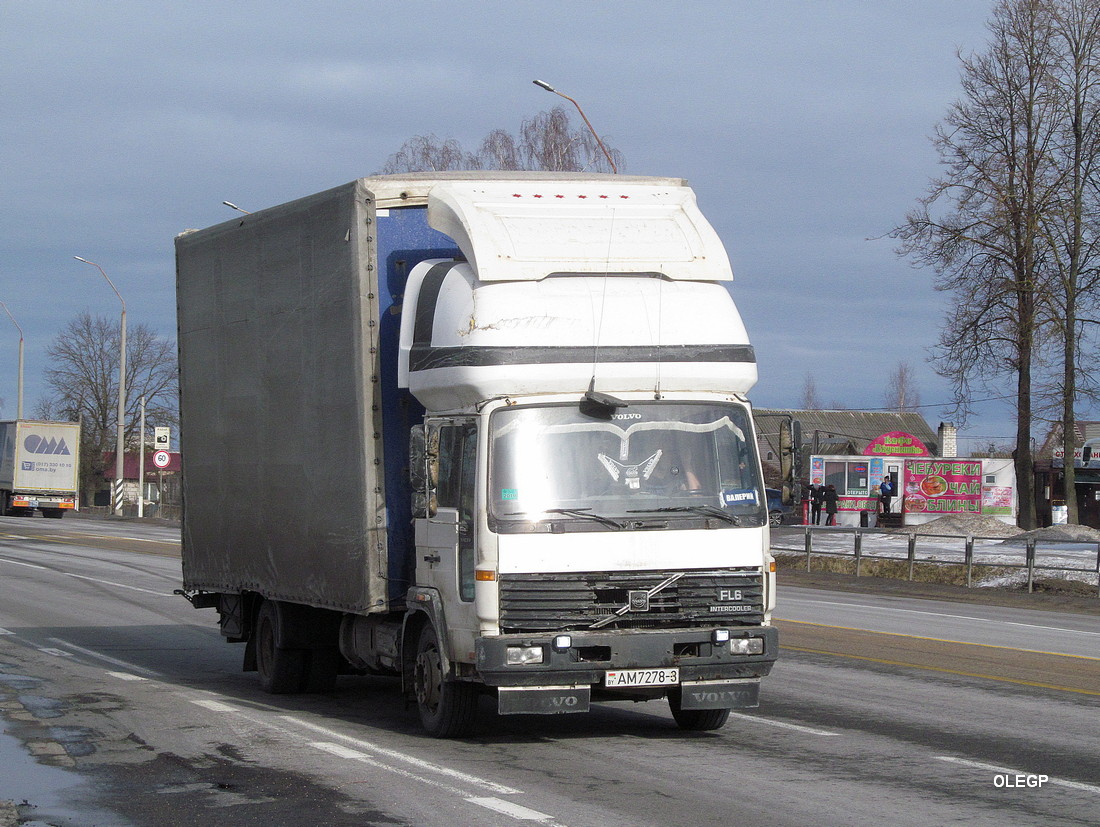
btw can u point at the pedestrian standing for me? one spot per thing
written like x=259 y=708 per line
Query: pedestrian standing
x=817 y=497
x=831 y=504
x=887 y=491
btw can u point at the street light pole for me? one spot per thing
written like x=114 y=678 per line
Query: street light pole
x=141 y=461
x=19 y=414
x=542 y=84
x=120 y=442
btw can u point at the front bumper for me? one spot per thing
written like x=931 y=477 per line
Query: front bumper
x=592 y=653
x=711 y=675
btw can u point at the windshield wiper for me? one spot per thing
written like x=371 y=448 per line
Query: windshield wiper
x=706 y=510
x=583 y=513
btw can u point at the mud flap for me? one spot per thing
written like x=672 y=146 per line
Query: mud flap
x=739 y=694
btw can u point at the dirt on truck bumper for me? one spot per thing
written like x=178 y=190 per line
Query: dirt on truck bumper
x=564 y=671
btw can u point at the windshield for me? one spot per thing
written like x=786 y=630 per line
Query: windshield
x=651 y=458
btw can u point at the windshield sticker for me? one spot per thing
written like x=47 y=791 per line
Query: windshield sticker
x=632 y=475
x=509 y=494
x=739 y=497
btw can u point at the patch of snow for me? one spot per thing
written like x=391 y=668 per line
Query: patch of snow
x=962 y=525
x=1060 y=533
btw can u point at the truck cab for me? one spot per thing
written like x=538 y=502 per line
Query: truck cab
x=589 y=510
x=588 y=551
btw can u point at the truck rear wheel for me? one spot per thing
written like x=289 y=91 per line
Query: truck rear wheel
x=448 y=709
x=696 y=720
x=282 y=671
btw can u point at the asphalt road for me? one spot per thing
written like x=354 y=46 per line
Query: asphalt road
x=121 y=705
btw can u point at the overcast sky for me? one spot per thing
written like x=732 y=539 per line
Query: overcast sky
x=803 y=127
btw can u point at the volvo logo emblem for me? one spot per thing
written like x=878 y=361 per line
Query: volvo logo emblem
x=639 y=601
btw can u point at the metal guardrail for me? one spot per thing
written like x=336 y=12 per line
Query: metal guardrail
x=967 y=556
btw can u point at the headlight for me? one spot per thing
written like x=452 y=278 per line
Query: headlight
x=519 y=655
x=747 y=646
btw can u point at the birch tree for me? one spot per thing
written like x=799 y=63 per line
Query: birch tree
x=901 y=393
x=546 y=141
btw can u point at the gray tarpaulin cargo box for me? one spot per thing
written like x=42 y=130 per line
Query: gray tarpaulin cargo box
x=288 y=324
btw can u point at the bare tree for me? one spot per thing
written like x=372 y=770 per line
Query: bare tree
x=83 y=382
x=810 y=400
x=428 y=153
x=1071 y=227
x=979 y=225
x=546 y=141
x=902 y=394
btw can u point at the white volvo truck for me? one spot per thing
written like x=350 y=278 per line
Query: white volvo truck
x=487 y=432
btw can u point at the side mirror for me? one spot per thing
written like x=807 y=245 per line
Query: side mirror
x=432 y=453
x=418 y=449
x=423 y=469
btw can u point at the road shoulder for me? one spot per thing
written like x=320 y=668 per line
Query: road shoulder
x=1048 y=601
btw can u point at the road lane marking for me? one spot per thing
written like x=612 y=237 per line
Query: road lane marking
x=510 y=808
x=940 y=639
x=1073 y=785
x=6 y=632
x=347 y=753
x=57 y=653
x=946 y=671
x=112 y=583
x=113 y=537
x=507 y=808
x=214 y=706
x=420 y=763
x=781 y=724
x=126 y=676
x=132 y=667
x=21 y=563
x=85 y=577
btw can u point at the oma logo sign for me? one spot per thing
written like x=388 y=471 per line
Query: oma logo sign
x=36 y=444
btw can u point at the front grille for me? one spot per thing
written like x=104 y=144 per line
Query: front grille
x=574 y=601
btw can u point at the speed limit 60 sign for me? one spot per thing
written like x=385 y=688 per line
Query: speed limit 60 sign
x=161 y=459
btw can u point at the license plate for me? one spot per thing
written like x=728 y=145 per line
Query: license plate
x=642 y=677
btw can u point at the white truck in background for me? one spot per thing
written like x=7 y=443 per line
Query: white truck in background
x=487 y=432
x=39 y=467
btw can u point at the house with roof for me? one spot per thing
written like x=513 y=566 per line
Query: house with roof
x=1050 y=463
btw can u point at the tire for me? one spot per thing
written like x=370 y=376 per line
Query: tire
x=282 y=671
x=448 y=709
x=696 y=720
x=53 y=513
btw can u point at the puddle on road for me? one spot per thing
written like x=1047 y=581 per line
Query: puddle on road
x=43 y=787
x=17 y=681
x=42 y=707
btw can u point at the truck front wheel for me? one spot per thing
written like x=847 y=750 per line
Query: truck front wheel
x=282 y=671
x=448 y=709
x=696 y=720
